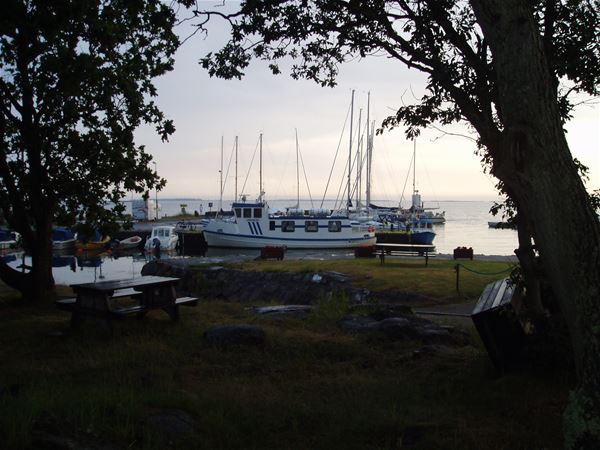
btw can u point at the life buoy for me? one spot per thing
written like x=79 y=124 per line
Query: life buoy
x=371 y=228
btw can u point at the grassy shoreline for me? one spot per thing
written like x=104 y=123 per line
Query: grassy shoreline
x=312 y=386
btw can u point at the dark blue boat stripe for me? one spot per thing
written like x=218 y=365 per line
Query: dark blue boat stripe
x=259 y=228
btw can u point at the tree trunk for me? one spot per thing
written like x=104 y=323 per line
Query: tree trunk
x=41 y=261
x=38 y=283
x=534 y=161
x=530 y=271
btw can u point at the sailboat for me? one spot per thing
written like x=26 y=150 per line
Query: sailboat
x=417 y=211
x=253 y=226
x=412 y=227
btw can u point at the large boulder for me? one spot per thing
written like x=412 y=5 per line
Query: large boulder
x=400 y=326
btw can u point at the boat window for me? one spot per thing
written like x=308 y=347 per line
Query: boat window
x=161 y=232
x=311 y=226
x=247 y=213
x=271 y=225
x=288 y=226
x=334 y=226
x=238 y=212
x=257 y=213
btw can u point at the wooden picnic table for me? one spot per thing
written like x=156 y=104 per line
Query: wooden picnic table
x=425 y=250
x=98 y=300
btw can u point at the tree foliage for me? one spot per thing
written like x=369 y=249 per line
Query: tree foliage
x=441 y=38
x=75 y=83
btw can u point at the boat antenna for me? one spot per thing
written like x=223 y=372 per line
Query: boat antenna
x=236 y=169
x=349 y=201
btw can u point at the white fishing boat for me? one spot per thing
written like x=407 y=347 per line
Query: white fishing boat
x=163 y=236
x=252 y=226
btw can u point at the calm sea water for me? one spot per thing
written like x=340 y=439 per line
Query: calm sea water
x=466 y=222
x=466 y=225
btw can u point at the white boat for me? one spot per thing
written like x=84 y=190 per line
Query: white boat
x=130 y=242
x=252 y=226
x=164 y=235
x=9 y=239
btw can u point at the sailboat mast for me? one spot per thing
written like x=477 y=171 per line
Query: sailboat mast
x=349 y=202
x=260 y=182
x=368 y=181
x=359 y=161
x=297 y=173
x=221 y=178
x=236 y=169
x=414 y=163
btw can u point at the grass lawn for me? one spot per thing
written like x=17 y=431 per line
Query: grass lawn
x=437 y=281
x=311 y=386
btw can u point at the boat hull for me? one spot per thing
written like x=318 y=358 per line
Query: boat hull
x=230 y=240
x=402 y=237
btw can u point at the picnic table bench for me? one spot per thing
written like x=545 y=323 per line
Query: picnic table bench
x=403 y=250
x=98 y=301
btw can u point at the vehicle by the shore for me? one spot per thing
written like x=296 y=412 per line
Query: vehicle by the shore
x=163 y=236
x=252 y=226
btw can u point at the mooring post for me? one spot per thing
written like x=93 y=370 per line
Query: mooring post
x=457 y=269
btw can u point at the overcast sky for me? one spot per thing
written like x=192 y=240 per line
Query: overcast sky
x=205 y=109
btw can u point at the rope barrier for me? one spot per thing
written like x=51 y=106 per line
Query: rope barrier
x=487 y=273
x=457 y=270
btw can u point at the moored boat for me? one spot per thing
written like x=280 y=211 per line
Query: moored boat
x=93 y=243
x=252 y=226
x=130 y=243
x=63 y=238
x=9 y=239
x=163 y=236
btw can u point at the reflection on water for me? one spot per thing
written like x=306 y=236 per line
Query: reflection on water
x=466 y=225
x=93 y=267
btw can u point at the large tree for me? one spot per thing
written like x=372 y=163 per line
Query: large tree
x=506 y=67
x=75 y=83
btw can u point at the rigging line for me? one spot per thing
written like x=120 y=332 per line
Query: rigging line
x=335 y=157
x=305 y=177
x=250 y=167
x=355 y=185
x=229 y=166
x=406 y=179
x=343 y=194
x=430 y=183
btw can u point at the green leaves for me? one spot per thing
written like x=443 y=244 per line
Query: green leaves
x=77 y=80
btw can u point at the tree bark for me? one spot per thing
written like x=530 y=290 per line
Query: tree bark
x=530 y=271
x=534 y=161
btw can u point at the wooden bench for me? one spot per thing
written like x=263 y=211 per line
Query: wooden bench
x=98 y=301
x=141 y=310
x=68 y=304
x=496 y=322
x=404 y=250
